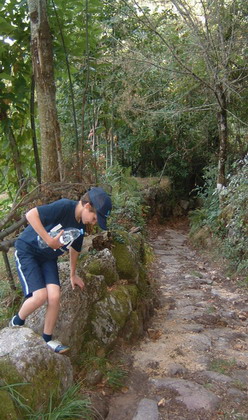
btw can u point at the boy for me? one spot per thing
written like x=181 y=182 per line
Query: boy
x=37 y=268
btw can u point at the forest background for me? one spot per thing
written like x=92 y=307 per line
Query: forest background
x=93 y=89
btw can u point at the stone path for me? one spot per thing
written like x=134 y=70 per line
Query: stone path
x=192 y=363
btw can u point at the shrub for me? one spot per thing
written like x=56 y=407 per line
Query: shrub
x=128 y=205
x=225 y=214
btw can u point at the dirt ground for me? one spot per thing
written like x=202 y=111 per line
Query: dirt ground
x=192 y=361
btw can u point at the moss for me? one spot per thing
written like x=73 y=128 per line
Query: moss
x=99 y=267
x=110 y=315
x=134 y=327
x=133 y=293
x=7 y=408
x=120 y=306
x=43 y=385
x=10 y=377
x=96 y=285
x=34 y=394
x=126 y=260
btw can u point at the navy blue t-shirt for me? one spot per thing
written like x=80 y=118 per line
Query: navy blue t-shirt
x=61 y=212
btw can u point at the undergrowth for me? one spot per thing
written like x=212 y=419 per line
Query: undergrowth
x=129 y=208
x=224 y=215
x=72 y=405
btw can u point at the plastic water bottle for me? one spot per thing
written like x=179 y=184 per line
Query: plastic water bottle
x=69 y=235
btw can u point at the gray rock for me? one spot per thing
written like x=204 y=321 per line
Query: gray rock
x=236 y=394
x=241 y=376
x=25 y=358
x=193 y=395
x=217 y=377
x=147 y=410
x=94 y=378
x=176 y=369
x=74 y=310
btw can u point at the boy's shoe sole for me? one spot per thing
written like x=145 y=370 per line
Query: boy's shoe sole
x=57 y=347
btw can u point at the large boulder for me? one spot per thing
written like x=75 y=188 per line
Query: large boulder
x=26 y=360
x=74 y=309
x=113 y=297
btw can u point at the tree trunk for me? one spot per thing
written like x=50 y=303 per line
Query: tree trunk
x=42 y=58
x=34 y=138
x=85 y=92
x=223 y=138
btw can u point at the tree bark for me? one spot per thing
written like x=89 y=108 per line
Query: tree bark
x=42 y=58
x=223 y=138
x=34 y=138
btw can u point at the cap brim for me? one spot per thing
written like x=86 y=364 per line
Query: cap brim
x=102 y=221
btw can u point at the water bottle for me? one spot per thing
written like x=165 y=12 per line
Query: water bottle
x=69 y=235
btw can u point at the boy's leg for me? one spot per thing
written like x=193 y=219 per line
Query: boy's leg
x=33 y=285
x=53 y=301
x=37 y=299
x=51 y=275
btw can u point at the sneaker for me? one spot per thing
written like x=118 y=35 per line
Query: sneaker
x=12 y=324
x=57 y=347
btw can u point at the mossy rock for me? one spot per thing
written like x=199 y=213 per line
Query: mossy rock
x=102 y=263
x=110 y=315
x=26 y=360
x=134 y=327
x=128 y=255
x=7 y=408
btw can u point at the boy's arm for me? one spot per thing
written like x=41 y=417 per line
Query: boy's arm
x=33 y=218
x=75 y=279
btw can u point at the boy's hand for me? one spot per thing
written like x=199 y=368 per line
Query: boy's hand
x=55 y=243
x=77 y=281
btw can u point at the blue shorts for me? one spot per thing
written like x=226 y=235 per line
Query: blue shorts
x=35 y=273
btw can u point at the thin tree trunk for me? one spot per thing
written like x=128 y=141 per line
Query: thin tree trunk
x=8 y=270
x=223 y=139
x=42 y=57
x=34 y=138
x=15 y=153
x=85 y=93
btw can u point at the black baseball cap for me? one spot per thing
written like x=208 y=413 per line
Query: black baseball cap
x=101 y=202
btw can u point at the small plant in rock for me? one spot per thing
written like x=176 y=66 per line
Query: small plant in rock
x=222 y=366
x=114 y=375
x=211 y=309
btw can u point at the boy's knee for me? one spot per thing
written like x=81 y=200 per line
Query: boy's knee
x=53 y=297
x=40 y=296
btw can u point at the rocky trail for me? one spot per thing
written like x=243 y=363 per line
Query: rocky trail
x=192 y=362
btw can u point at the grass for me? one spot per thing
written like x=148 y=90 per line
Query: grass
x=211 y=309
x=222 y=366
x=71 y=406
x=114 y=374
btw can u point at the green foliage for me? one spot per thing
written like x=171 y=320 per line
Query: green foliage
x=70 y=406
x=223 y=366
x=114 y=374
x=226 y=214
x=128 y=207
x=207 y=214
x=234 y=216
